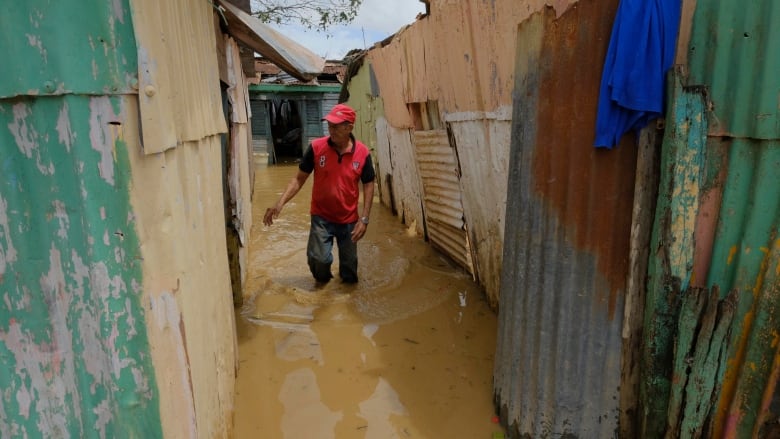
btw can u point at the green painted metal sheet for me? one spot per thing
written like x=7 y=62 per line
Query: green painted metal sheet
x=735 y=51
x=745 y=258
x=73 y=341
x=748 y=215
x=312 y=111
x=67 y=46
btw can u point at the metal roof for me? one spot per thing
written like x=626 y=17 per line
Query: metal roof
x=293 y=58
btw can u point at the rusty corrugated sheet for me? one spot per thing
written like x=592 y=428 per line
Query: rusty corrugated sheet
x=559 y=353
x=438 y=167
x=293 y=58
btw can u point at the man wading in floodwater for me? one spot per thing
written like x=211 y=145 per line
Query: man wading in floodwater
x=339 y=162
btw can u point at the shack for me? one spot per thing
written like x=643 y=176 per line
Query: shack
x=125 y=209
x=287 y=112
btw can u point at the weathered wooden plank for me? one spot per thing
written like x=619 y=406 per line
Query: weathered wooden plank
x=711 y=347
x=645 y=195
x=672 y=246
x=693 y=302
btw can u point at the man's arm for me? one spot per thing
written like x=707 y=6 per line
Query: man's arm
x=368 y=198
x=292 y=188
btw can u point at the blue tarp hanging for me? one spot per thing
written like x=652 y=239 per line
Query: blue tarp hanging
x=641 y=51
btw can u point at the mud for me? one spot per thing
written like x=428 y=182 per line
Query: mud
x=405 y=353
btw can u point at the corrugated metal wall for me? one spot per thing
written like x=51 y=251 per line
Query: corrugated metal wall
x=169 y=71
x=483 y=185
x=328 y=101
x=73 y=338
x=106 y=31
x=566 y=249
x=312 y=119
x=570 y=344
x=461 y=57
x=398 y=159
x=104 y=290
x=440 y=173
x=261 y=126
x=734 y=52
x=717 y=233
x=363 y=94
x=240 y=170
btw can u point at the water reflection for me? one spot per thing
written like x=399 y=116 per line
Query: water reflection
x=380 y=409
x=305 y=416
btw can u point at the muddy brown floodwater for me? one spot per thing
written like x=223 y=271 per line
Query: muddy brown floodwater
x=405 y=353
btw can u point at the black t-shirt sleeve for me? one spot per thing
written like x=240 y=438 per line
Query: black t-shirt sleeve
x=307 y=162
x=368 y=171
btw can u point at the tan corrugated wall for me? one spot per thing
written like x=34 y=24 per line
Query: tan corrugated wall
x=178 y=203
x=177 y=72
x=462 y=56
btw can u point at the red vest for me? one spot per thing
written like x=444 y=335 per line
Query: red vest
x=336 y=187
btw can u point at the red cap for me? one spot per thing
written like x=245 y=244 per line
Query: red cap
x=340 y=113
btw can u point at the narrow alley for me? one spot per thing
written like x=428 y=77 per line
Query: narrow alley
x=406 y=353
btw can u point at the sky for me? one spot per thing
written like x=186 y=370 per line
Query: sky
x=376 y=20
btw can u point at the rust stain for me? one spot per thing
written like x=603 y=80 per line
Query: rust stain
x=732 y=253
x=728 y=405
x=707 y=218
x=773 y=378
x=777 y=268
x=589 y=190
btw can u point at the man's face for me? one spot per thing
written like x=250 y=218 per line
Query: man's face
x=339 y=132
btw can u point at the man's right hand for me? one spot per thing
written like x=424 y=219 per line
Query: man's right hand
x=270 y=214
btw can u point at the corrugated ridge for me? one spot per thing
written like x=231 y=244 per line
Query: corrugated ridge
x=442 y=195
x=453 y=244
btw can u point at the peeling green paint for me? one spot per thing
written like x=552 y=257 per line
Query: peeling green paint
x=703 y=376
x=67 y=46
x=72 y=329
x=672 y=247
